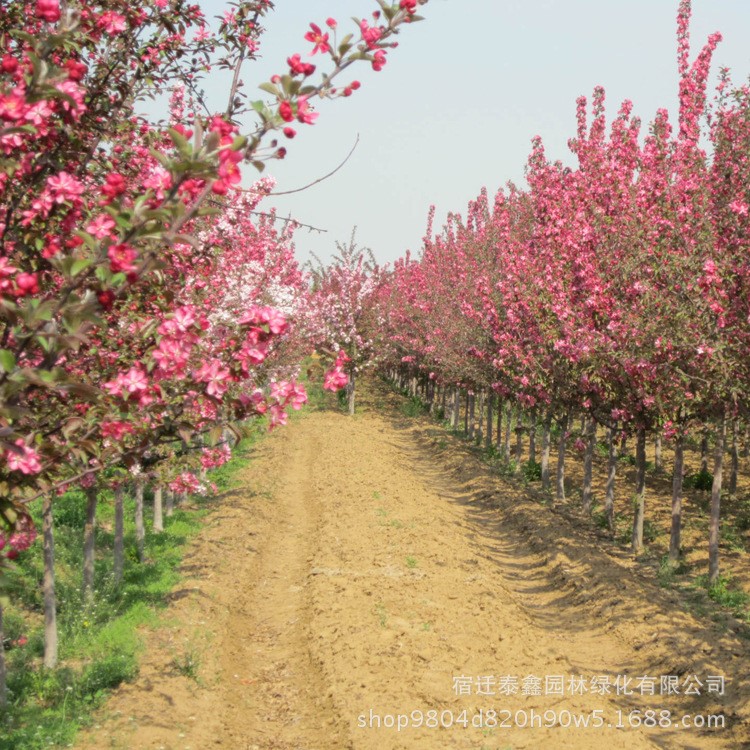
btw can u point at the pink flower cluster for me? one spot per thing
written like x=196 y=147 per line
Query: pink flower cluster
x=336 y=378
x=21 y=539
x=24 y=459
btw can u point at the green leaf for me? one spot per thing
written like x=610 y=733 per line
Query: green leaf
x=7 y=360
x=270 y=88
x=79 y=266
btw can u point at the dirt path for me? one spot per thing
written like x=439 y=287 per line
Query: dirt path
x=377 y=570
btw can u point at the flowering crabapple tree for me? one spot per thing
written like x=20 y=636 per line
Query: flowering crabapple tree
x=99 y=206
x=107 y=353
x=343 y=317
x=616 y=289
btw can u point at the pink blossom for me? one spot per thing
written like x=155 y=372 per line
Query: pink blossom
x=111 y=22
x=101 y=226
x=278 y=417
x=304 y=113
x=48 y=10
x=116 y=430
x=318 y=38
x=27 y=461
x=214 y=374
x=64 y=187
x=121 y=258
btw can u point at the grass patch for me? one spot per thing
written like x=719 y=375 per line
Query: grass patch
x=98 y=642
x=380 y=612
x=531 y=471
x=413 y=407
x=702 y=480
x=727 y=595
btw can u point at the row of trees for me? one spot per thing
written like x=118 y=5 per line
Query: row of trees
x=617 y=289
x=147 y=305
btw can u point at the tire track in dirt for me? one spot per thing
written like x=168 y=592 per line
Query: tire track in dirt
x=241 y=616
x=376 y=562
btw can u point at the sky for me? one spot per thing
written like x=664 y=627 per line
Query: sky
x=458 y=102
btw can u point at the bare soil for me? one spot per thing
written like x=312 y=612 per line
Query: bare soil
x=372 y=567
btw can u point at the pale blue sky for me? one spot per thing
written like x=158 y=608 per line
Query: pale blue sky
x=458 y=102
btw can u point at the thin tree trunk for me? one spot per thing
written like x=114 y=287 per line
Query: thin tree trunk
x=713 y=533
x=3 y=677
x=50 y=601
x=488 y=437
x=350 y=392
x=508 y=427
x=480 y=420
x=560 y=486
x=588 y=464
x=677 y=477
x=704 y=451
x=609 y=491
x=119 y=546
x=640 y=491
x=532 y=437
x=546 y=430
x=735 y=458
x=499 y=430
x=170 y=503
x=466 y=413
x=140 y=530
x=519 y=441
x=456 y=407
x=89 y=545
x=658 y=462
x=158 y=510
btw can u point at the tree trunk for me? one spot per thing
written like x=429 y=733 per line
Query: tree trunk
x=50 y=601
x=488 y=437
x=677 y=477
x=158 y=510
x=658 y=463
x=713 y=533
x=640 y=492
x=170 y=503
x=140 y=530
x=609 y=491
x=350 y=391
x=456 y=408
x=3 y=677
x=499 y=430
x=89 y=545
x=508 y=427
x=472 y=415
x=480 y=420
x=735 y=458
x=560 y=486
x=119 y=547
x=519 y=441
x=588 y=464
x=704 y=451
x=466 y=413
x=546 y=429
x=532 y=437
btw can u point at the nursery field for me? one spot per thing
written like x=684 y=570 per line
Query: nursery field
x=373 y=583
